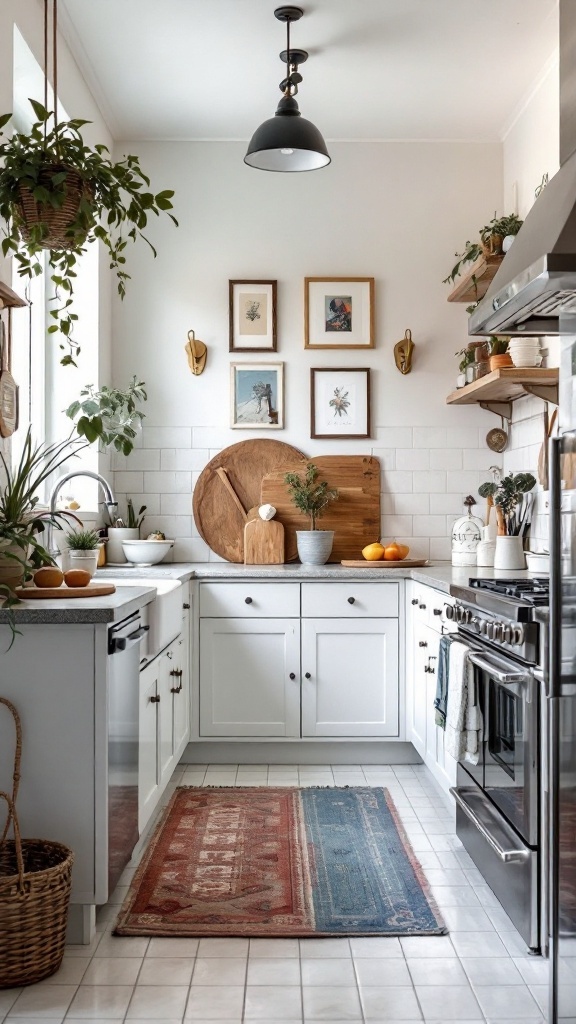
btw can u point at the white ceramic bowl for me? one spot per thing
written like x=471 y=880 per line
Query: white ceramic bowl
x=146 y=552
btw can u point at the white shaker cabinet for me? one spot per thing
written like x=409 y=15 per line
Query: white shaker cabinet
x=250 y=677
x=350 y=677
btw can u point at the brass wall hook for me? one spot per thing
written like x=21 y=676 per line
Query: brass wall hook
x=403 y=352
x=197 y=353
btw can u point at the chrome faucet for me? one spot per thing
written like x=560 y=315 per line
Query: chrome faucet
x=110 y=502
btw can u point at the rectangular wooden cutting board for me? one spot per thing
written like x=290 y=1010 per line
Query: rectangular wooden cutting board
x=355 y=517
x=406 y=563
x=64 y=593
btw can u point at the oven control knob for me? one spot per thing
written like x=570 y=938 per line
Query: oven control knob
x=497 y=631
x=490 y=627
x=518 y=636
x=449 y=610
x=507 y=634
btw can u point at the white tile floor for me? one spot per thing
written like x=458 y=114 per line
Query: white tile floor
x=479 y=972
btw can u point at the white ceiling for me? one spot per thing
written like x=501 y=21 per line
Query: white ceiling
x=395 y=69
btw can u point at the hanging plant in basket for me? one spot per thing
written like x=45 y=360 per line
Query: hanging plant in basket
x=58 y=194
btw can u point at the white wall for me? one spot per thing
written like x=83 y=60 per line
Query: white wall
x=530 y=149
x=394 y=211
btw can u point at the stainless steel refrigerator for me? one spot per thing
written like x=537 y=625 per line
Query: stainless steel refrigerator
x=560 y=704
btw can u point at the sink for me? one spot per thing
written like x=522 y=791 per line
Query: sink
x=164 y=613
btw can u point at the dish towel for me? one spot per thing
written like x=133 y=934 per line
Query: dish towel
x=463 y=715
x=441 y=699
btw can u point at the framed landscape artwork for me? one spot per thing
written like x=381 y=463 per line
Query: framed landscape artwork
x=339 y=312
x=252 y=316
x=339 y=402
x=257 y=395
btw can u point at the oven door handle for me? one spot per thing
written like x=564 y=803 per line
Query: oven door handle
x=497 y=673
x=508 y=856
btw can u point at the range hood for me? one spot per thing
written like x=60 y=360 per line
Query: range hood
x=537 y=277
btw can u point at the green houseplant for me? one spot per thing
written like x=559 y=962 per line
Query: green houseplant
x=57 y=193
x=83 y=549
x=312 y=499
x=490 y=239
x=506 y=495
x=110 y=415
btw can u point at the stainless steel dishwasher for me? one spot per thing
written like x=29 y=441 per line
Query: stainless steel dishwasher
x=123 y=700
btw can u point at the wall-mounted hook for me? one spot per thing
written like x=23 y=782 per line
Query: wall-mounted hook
x=403 y=353
x=197 y=353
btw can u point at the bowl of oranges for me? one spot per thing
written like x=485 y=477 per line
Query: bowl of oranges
x=387 y=552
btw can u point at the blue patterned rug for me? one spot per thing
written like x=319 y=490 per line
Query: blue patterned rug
x=279 y=862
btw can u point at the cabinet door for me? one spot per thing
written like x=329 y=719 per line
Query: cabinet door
x=246 y=687
x=168 y=680
x=181 y=696
x=350 y=677
x=148 y=775
x=424 y=643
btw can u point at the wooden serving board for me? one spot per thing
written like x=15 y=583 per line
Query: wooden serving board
x=64 y=592
x=354 y=517
x=264 y=542
x=406 y=563
x=218 y=518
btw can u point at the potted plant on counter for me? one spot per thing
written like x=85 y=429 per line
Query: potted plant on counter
x=507 y=494
x=312 y=499
x=83 y=550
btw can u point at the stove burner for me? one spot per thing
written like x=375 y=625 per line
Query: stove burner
x=535 y=591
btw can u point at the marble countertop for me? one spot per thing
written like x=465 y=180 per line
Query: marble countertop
x=126 y=600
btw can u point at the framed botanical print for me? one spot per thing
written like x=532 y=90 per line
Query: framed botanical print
x=252 y=316
x=339 y=402
x=339 y=312
x=257 y=395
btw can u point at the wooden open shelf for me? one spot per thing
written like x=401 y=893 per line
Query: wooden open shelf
x=498 y=389
x=483 y=272
x=9 y=298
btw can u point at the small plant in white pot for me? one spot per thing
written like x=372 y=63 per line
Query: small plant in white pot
x=312 y=499
x=83 y=550
x=123 y=529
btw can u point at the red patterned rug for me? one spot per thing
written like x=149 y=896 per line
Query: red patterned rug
x=279 y=862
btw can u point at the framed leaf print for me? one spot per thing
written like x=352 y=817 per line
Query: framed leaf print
x=339 y=402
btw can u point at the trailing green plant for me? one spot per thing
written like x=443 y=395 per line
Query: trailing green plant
x=496 y=230
x=82 y=540
x=472 y=252
x=22 y=522
x=498 y=344
x=309 y=497
x=133 y=521
x=114 y=208
x=507 y=494
x=510 y=224
x=109 y=415
x=466 y=358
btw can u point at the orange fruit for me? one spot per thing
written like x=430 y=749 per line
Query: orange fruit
x=404 y=550
x=49 y=576
x=392 y=552
x=77 y=578
x=373 y=552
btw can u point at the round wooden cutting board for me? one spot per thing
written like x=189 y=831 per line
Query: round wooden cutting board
x=218 y=519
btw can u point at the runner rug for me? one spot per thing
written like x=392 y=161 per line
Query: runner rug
x=279 y=862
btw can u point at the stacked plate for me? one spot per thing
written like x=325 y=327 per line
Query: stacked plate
x=525 y=351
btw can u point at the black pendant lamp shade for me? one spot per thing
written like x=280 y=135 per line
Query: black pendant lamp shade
x=287 y=141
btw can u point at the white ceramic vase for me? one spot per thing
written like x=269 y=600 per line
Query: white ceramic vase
x=314 y=546
x=509 y=553
x=86 y=560
x=114 y=550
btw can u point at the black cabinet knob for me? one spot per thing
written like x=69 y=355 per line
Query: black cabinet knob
x=437 y=611
x=247 y=600
x=155 y=700
x=292 y=675
x=422 y=643
x=185 y=605
x=414 y=600
x=422 y=607
x=351 y=600
x=307 y=675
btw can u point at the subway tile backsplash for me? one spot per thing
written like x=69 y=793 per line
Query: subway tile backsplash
x=425 y=478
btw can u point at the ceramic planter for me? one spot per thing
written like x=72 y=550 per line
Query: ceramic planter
x=11 y=572
x=114 y=550
x=87 y=560
x=496 y=362
x=314 y=546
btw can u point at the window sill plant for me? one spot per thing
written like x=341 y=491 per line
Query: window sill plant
x=56 y=193
x=312 y=499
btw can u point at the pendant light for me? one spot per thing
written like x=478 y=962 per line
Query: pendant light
x=287 y=141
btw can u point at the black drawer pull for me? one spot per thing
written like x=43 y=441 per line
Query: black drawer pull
x=292 y=675
x=155 y=700
x=422 y=607
x=437 y=611
x=422 y=643
x=185 y=605
x=351 y=600
x=247 y=600
x=307 y=675
x=414 y=600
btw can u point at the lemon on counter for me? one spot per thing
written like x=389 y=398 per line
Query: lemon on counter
x=373 y=552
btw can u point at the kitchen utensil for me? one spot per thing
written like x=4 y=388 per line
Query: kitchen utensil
x=497 y=438
x=65 y=593
x=406 y=563
x=8 y=386
x=218 y=520
x=263 y=542
x=355 y=517
x=252 y=512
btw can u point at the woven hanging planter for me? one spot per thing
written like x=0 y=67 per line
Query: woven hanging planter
x=56 y=222
x=35 y=880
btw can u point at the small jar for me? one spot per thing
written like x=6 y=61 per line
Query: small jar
x=470 y=373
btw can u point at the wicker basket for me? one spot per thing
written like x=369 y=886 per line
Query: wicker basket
x=35 y=878
x=56 y=222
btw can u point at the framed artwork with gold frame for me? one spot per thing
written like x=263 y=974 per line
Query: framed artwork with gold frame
x=339 y=312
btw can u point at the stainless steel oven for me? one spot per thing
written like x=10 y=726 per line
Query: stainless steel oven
x=498 y=799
